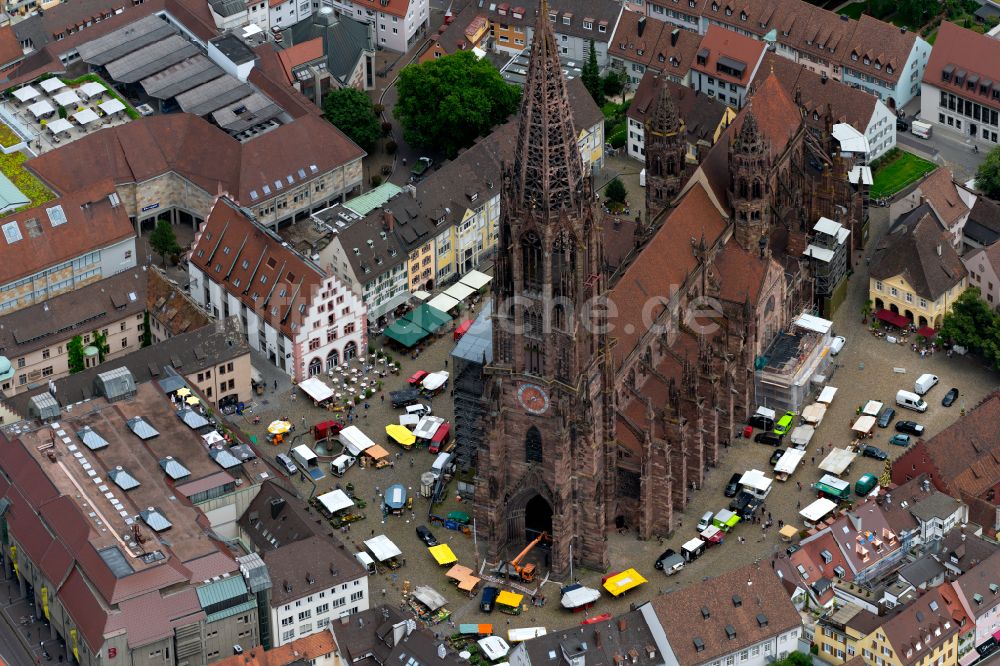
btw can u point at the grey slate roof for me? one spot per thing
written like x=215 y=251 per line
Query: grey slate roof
x=228 y=7
x=936 y=505
x=606 y=11
x=911 y=249
x=922 y=571
x=983 y=225
x=344 y=40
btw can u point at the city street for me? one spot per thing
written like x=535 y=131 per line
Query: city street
x=945 y=147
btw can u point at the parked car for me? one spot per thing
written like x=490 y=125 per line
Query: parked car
x=925 y=383
x=776 y=456
x=870 y=451
x=286 y=463
x=658 y=564
x=761 y=422
x=416 y=377
x=886 y=417
x=706 y=521
x=902 y=125
x=899 y=439
x=767 y=438
x=837 y=344
x=910 y=428
x=426 y=536
x=950 y=397
x=784 y=424
x=733 y=486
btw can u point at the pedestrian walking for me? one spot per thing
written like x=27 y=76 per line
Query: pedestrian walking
x=275 y=384
x=383 y=397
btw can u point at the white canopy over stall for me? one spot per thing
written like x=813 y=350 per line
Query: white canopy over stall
x=42 y=108
x=66 y=98
x=459 y=291
x=49 y=85
x=443 y=302
x=826 y=395
x=755 y=480
x=112 y=106
x=813 y=414
x=476 y=280
x=335 y=501
x=837 y=461
x=316 y=389
x=382 y=548
x=802 y=435
x=86 y=117
x=59 y=125
x=872 y=408
x=26 y=93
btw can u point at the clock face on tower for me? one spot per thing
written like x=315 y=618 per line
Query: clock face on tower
x=533 y=398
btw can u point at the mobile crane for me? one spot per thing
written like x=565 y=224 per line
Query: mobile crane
x=513 y=569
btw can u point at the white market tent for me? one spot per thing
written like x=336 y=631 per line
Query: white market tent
x=112 y=106
x=59 y=125
x=754 y=479
x=864 y=424
x=421 y=295
x=316 y=389
x=826 y=395
x=813 y=414
x=580 y=596
x=435 y=380
x=429 y=597
x=802 y=435
x=443 y=302
x=26 y=93
x=494 y=647
x=476 y=280
x=382 y=548
x=50 y=85
x=427 y=427
x=459 y=291
x=86 y=117
x=355 y=441
x=766 y=412
x=837 y=461
x=42 y=108
x=91 y=89
x=815 y=511
x=66 y=98
x=789 y=461
x=213 y=437
x=335 y=501
x=872 y=408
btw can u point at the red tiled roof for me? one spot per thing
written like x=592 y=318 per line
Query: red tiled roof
x=258 y=269
x=778 y=117
x=967 y=451
x=302 y=650
x=664 y=263
x=153 y=616
x=665 y=48
x=719 y=42
x=10 y=48
x=923 y=622
x=81 y=604
x=211 y=566
x=969 y=51
x=940 y=189
x=392 y=7
x=740 y=273
x=300 y=54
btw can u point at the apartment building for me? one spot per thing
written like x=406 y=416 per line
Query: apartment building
x=170 y=311
x=641 y=44
x=725 y=64
x=924 y=632
x=398 y=23
x=302 y=318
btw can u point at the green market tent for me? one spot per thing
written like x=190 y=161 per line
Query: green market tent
x=427 y=317
x=405 y=332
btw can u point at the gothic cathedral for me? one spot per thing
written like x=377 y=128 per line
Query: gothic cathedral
x=548 y=463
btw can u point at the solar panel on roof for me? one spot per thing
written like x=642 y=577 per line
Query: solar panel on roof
x=173 y=468
x=155 y=519
x=116 y=561
x=123 y=479
x=90 y=437
x=142 y=428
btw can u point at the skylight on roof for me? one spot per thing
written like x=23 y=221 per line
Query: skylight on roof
x=313 y=168
x=278 y=185
x=57 y=215
x=91 y=438
x=302 y=173
x=253 y=195
x=11 y=232
x=267 y=189
x=289 y=179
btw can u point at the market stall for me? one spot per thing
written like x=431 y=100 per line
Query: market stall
x=509 y=602
x=756 y=483
x=400 y=435
x=469 y=585
x=787 y=463
x=429 y=605
x=725 y=520
x=442 y=554
x=872 y=408
x=863 y=426
x=817 y=511
x=831 y=487
x=494 y=647
x=427 y=427
x=788 y=532
x=837 y=461
x=355 y=442
x=813 y=414
x=622 y=582
x=316 y=389
x=384 y=551
x=395 y=498
x=458 y=573
x=524 y=634
x=713 y=535
x=335 y=501
x=826 y=395
x=802 y=435
x=476 y=280
x=577 y=597
x=377 y=456
x=435 y=382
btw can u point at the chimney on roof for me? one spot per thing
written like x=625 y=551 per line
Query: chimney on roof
x=939 y=249
x=642 y=26
x=674 y=36
x=388 y=220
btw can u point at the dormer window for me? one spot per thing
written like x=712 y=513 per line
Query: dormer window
x=743 y=16
x=729 y=11
x=552 y=17
x=660 y=58
x=888 y=69
x=854 y=56
x=639 y=51
x=567 y=19
x=715 y=6
x=878 y=65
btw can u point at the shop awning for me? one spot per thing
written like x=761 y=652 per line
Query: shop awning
x=476 y=280
x=788 y=531
x=458 y=572
x=427 y=317
x=459 y=291
x=405 y=332
x=443 y=303
x=890 y=317
x=837 y=461
x=469 y=583
x=335 y=501
x=872 y=408
x=926 y=332
x=429 y=597
x=813 y=414
x=864 y=424
x=442 y=554
x=400 y=434
x=421 y=295
x=623 y=582
x=510 y=599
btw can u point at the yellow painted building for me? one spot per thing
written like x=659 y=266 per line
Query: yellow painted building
x=915 y=272
x=924 y=633
x=839 y=633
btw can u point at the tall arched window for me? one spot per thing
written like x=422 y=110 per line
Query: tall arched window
x=533 y=446
x=315 y=366
x=531 y=262
x=350 y=350
x=757 y=189
x=332 y=360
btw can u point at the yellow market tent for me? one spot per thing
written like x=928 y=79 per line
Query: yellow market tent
x=400 y=434
x=623 y=582
x=442 y=554
x=510 y=599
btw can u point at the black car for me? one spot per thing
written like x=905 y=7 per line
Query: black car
x=902 y=125
x=870 y=451
x=886 y=417
x=658 y=564
x=426 y=536
x=910 y=428
x=776 y=456
x=769 y=438
x=950 y=397
x=733 y=486
x=761 y=422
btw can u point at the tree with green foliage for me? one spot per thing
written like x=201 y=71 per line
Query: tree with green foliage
x=795 y=659
x=988 y=174
x=973 y=324
x=591 y=76
x=614 y=83
x=163 y=240
x=101 y=344
x=351 y=111
x=448 y=102
x=615 y=191
x=74 y=354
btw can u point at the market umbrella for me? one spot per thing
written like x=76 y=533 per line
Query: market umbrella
x=279 y=427
x=192 y=400
x=183 y=391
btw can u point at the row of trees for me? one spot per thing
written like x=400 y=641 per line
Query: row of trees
x=600 y=88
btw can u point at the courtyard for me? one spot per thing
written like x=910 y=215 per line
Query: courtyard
x=865 y=370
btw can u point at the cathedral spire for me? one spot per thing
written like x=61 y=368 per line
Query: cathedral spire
x=548 y=171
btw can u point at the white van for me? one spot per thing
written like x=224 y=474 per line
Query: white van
x=365 y=560
x=418 y=410
x=910 y=401
x=442 y=464
x=924 y=383
x=341 y=464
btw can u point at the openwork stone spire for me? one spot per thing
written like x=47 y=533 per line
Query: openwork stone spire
x=665 y=119
x=749 y=140
x=548 y=170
